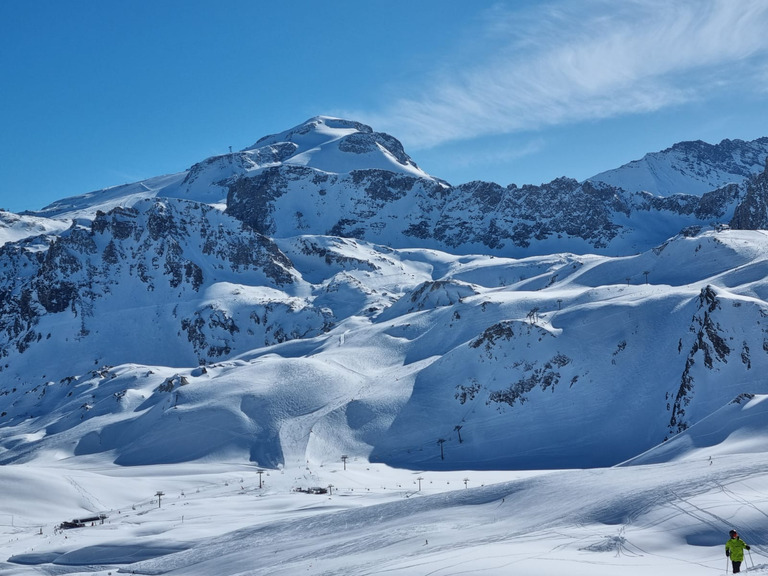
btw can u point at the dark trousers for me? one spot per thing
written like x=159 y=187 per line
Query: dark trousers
x=736 y=566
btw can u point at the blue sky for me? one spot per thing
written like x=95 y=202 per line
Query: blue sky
x=96 y=93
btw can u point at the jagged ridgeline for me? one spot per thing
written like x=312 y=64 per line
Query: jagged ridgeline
x=319 y=292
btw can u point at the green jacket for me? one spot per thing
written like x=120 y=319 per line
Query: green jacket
x=736 y=547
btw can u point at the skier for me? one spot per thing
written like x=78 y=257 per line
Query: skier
x=734 y=549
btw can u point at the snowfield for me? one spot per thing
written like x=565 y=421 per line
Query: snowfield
x=226 y=518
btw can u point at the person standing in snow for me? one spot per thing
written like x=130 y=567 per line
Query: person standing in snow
x=734 y=549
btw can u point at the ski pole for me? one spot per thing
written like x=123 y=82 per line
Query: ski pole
x=750 y=558
x=727 y=560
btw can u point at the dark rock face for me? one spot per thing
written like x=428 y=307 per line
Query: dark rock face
x=168 y=248
x=251 y=200
x=382 y=186
x=731 y=156
x=709 y=345
x=405 y=210
x=362 y=143
x=716 y=204
x=752 y=212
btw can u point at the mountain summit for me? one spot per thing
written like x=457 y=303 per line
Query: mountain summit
x=336 y=145
x=328 y=145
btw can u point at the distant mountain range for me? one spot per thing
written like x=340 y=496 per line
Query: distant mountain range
x=318 y=292
x=339 y=178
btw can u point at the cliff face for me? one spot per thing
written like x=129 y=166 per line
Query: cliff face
x=402 y=210
x=156 y=255
x=752 y=212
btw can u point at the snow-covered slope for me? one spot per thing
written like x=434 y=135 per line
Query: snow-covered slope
x=16 y=227
x=228 y=519
x=415 y=358
x=739 y=428
x=123 y=196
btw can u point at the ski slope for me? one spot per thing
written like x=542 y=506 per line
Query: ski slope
x=218 y=517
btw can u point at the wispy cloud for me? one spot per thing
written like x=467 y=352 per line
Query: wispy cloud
x=580 y=60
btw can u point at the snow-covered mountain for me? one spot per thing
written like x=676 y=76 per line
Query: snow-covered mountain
x=317 y=298
x=295 y=289
x=690 y=168
x=322 y=145
x=485 y=353
x=340 y=178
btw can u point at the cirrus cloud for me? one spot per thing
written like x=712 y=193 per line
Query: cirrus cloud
x=585 y=60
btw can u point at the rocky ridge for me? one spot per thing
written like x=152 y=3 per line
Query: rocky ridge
x=337 y=177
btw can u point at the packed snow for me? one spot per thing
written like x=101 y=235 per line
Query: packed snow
x=217 y=517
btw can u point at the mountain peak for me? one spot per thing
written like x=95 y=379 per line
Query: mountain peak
x=341 y=146
x=323 y=143
x=314 y=131
x=692 y=167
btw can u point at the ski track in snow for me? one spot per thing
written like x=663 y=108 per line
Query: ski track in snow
x=214 y=519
